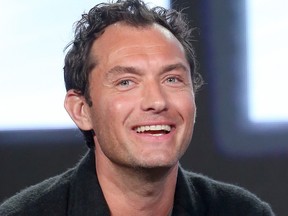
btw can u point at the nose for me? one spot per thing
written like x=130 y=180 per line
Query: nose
x=154 y=98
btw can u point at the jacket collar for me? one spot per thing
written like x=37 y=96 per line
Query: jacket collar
x=86 y=196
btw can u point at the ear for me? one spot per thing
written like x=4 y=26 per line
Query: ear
x=76 y=106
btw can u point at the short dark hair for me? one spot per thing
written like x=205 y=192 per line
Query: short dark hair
x=132 y=12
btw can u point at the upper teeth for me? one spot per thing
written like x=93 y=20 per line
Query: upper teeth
x=153 y=128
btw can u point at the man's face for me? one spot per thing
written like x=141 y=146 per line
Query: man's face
x=143 y=101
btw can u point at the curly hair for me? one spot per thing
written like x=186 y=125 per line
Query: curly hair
x=136 y=13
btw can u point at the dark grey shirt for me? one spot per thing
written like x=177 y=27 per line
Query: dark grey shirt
x=77 y=193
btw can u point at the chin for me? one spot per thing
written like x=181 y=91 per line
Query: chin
x=157 y=163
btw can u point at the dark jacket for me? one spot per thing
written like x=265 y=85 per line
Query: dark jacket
x=77 y=193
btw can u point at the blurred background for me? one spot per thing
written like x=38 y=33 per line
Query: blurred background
x=241 y=132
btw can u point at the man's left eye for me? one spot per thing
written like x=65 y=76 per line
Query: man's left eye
x=172 y=80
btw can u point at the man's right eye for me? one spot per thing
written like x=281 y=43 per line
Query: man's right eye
x=125 y=83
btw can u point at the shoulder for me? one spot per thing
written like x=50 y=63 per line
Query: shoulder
x=226 y=198
x=39 y=199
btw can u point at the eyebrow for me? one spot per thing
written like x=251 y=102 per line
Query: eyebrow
x=176 y=66
x=118 y=70
x=121 y=70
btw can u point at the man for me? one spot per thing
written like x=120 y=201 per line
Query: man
x=131 y=81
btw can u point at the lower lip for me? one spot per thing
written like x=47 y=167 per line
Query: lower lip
x=155 y=137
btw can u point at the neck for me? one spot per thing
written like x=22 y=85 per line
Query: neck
x=137 y=191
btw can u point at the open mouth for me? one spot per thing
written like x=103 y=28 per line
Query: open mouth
x=155 y=130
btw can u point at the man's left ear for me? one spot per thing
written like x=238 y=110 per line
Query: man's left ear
x=78 y=109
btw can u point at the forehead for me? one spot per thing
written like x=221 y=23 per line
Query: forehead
x=121 y=40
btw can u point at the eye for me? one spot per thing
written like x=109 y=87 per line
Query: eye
x=124 y=83
x=172 y=80
x=175 y=81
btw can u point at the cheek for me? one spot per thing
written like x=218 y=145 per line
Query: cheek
x=117 y=108
x=186 y=105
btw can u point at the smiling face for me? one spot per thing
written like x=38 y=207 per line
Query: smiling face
x=143 y=107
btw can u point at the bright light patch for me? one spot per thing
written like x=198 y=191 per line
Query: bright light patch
x=267 y=60
x=33 y=36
